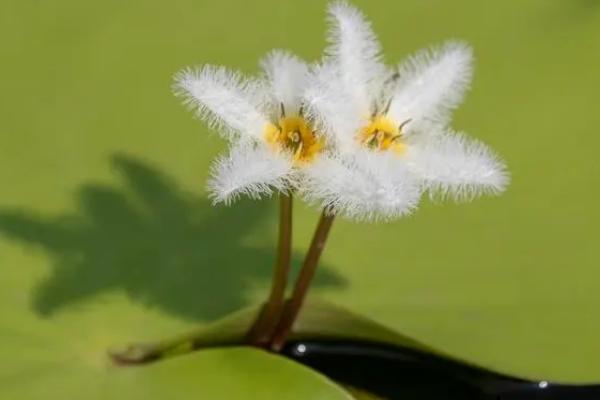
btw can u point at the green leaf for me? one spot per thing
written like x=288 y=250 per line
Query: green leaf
x=106 y=236
x=317 y=320
x=237 y=373
x=359 y=394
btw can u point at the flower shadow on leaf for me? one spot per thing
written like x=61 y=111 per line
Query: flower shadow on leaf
x=157 y=243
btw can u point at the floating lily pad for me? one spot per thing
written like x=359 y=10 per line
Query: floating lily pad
x=241 y=373
x=106 y=236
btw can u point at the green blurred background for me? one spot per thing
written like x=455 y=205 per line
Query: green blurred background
x=106 y=234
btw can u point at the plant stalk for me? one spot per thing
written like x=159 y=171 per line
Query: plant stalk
x=260 y=333
x=307 y=273
x=142 y=353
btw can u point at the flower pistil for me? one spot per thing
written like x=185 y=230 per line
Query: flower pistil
x=383 y=134
x=295 y=135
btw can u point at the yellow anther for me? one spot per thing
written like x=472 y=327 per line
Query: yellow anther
x=382 y=134
x=296 y=136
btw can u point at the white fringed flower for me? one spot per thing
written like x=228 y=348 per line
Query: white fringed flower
x=361 y=186
x=390 y=128
x=262 y=120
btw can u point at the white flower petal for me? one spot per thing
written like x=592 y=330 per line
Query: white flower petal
x=251 y=171
x=431 y=84
x=367 y=186
x=329 y=109
x=224 y=100
x=287 y=76
x=453 y=165
x=355 y=50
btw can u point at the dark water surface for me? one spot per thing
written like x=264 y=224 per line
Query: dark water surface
x=402 y=373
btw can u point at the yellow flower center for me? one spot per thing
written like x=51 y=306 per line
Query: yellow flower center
x=296 y=136
x=382 y=134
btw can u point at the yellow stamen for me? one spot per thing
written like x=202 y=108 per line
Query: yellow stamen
x=296 y=136
x=382 y=134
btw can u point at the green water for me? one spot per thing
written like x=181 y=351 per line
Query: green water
x=106 y=233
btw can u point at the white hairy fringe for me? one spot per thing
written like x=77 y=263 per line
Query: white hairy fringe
x=364 y=187
x=329 y=110
x=254 y=171
x=355 y=50
x=453 y=165
x=431 y=84
x=287 y=76
x=224 y=100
